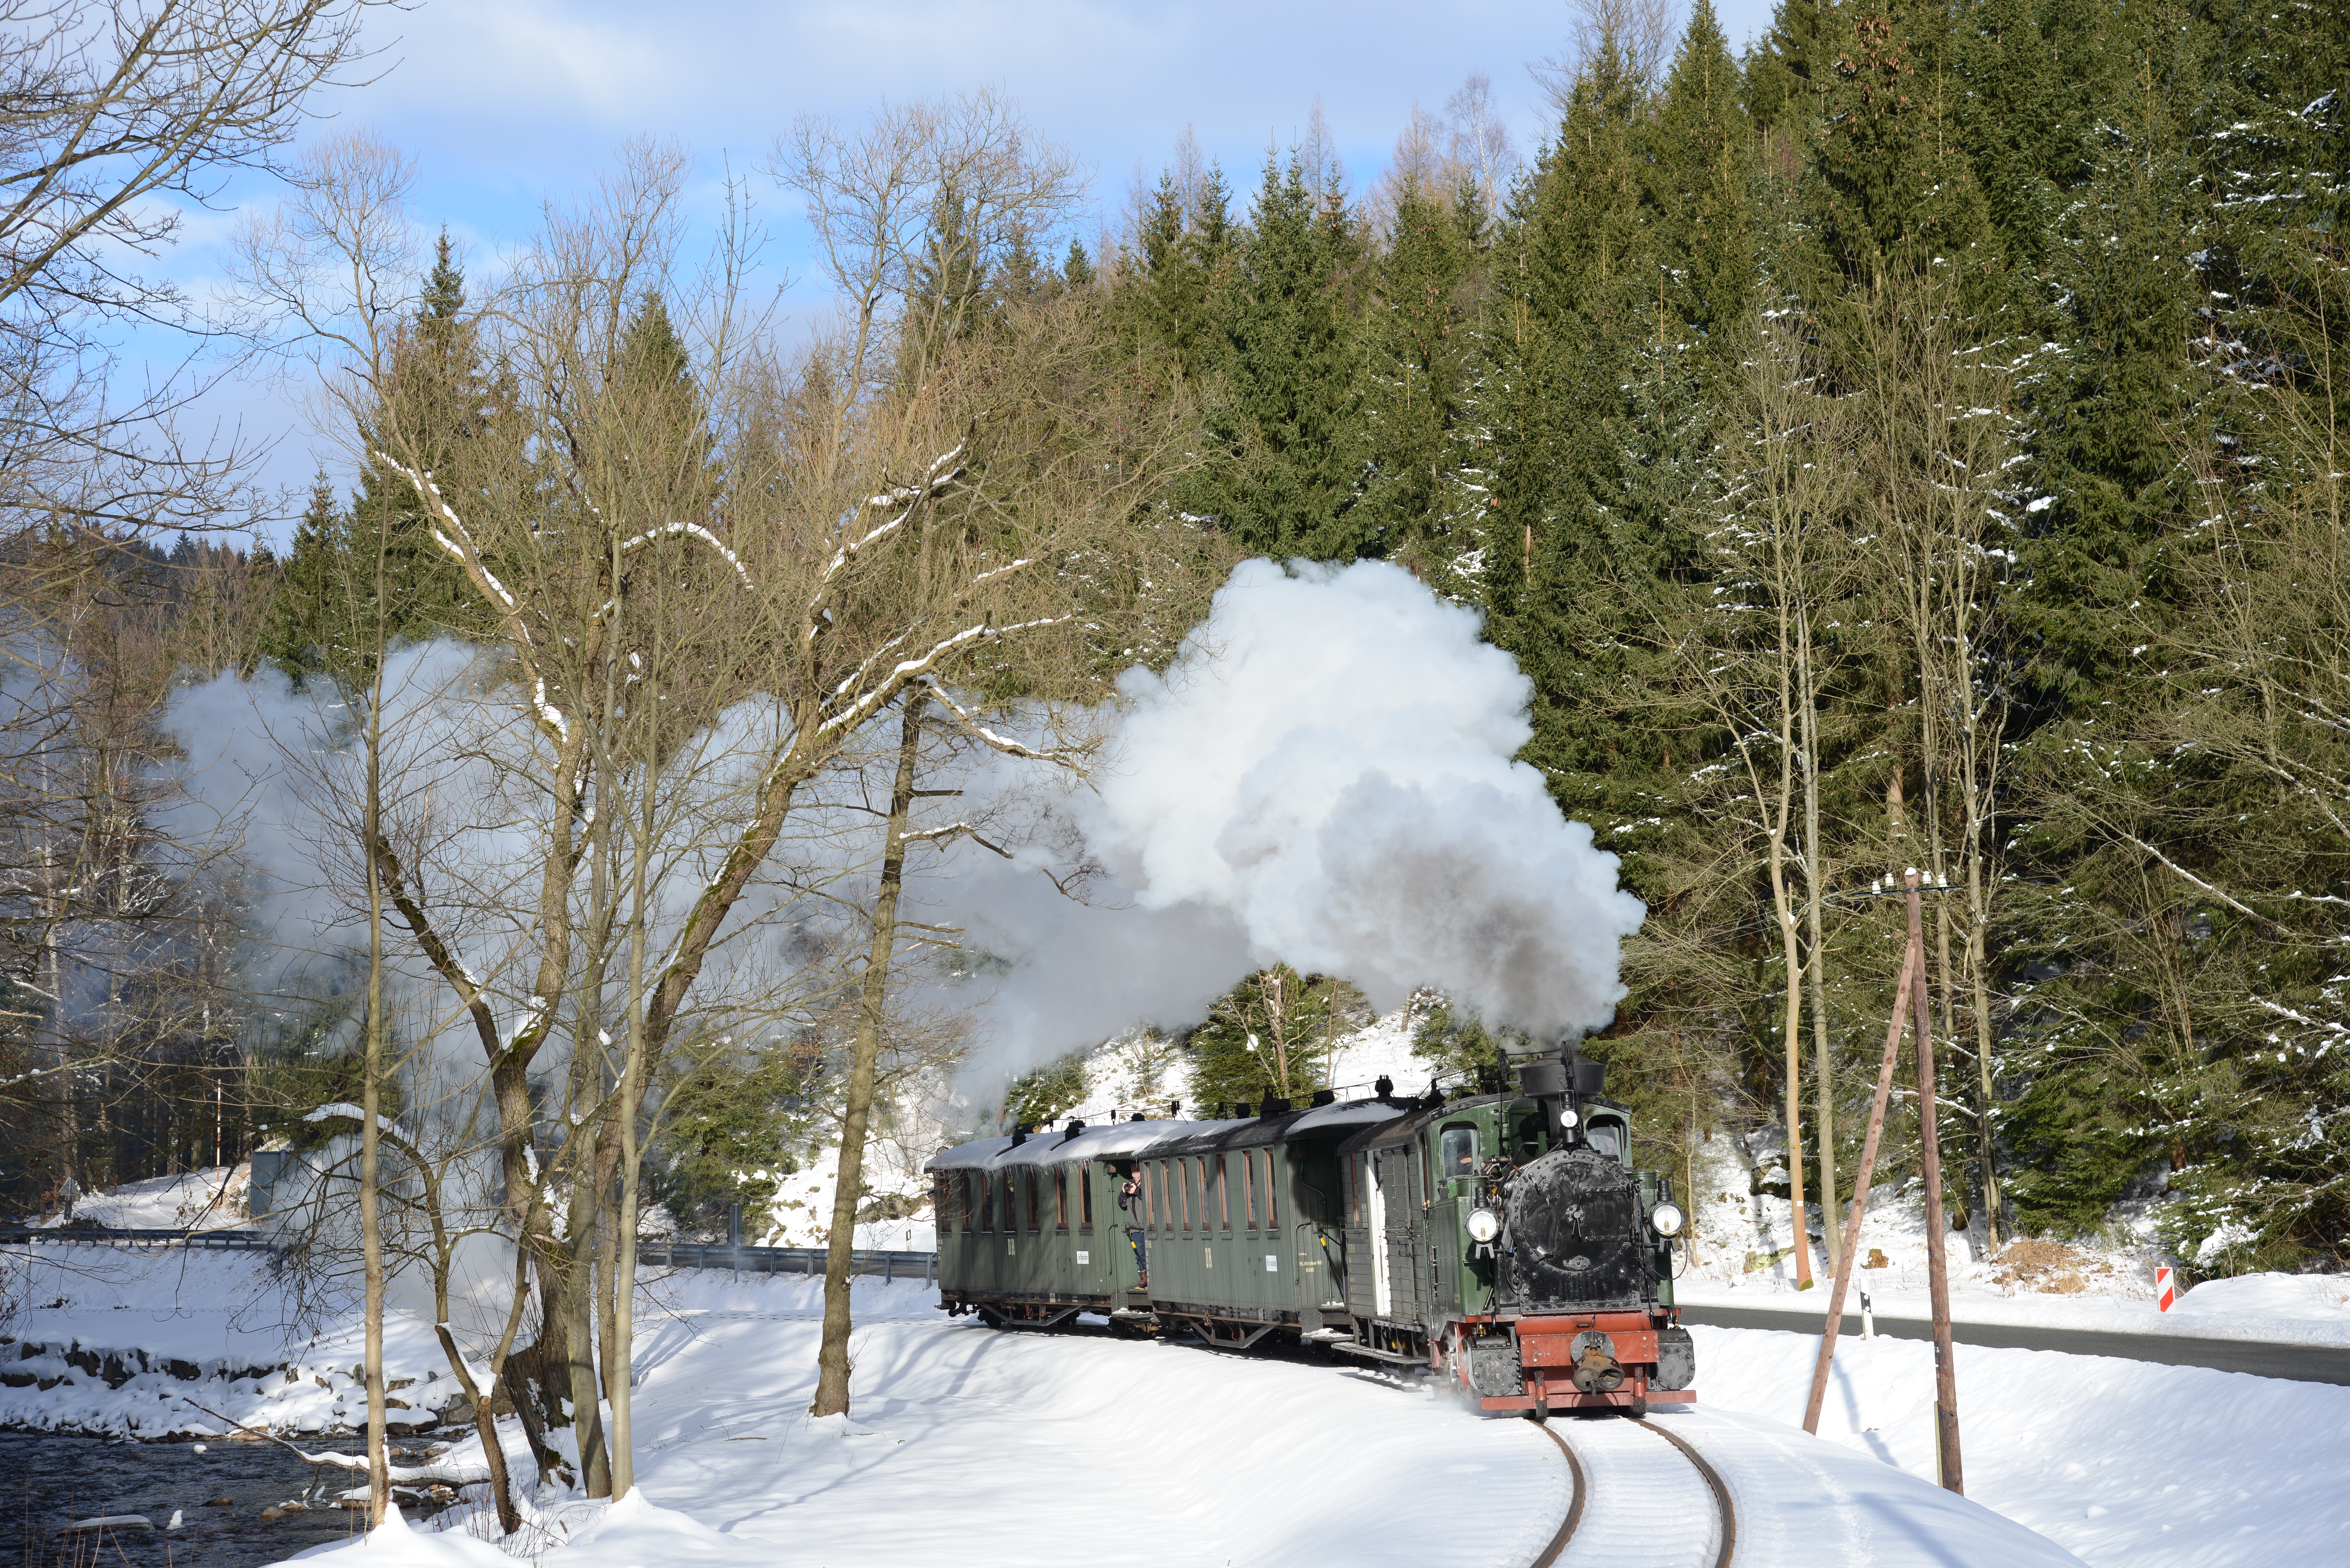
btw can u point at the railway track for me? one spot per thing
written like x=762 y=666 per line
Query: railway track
x=1640 y=1502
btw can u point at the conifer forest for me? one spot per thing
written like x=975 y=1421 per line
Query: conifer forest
x=1911 y=441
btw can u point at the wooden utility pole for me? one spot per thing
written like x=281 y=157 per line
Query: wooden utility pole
x=1929 y=1159
x=1912 y=963
x=1910 y=998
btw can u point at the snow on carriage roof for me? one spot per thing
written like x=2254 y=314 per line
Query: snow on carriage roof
x=1112 y=1139
x=1050 y=1147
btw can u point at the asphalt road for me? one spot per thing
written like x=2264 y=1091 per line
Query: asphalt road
x=2261 y=1358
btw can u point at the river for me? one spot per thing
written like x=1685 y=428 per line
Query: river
x=49 y=1482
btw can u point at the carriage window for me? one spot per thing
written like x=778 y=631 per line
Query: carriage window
x=1060 y=1200
x=1183 y=1182
x=1085 y=1197
x=1223 y=1193
x=1272 y=1185
x=1035 y=1201
x=1606 y=1137
x=986 y=1202
x=1248 y=1187
x=969 y=1204
x=1457 y=1154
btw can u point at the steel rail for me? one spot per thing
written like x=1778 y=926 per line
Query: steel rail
x=1573 y=1509
x=1721 y=1491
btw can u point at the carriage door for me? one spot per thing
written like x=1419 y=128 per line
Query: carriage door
x=1377 y=1166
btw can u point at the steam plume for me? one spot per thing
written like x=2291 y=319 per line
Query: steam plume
x=1322 y=777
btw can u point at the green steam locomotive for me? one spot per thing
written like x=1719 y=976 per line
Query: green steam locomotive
x=1504 y=1242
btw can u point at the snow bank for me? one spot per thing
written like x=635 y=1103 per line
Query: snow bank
x=154 y=1343
x=2127 y=1464
x=2322 y=1299
x=208 y=1200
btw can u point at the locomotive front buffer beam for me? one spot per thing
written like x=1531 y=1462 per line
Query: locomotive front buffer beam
x=1587 y=1361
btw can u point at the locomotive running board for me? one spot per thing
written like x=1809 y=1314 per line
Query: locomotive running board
x=1395 y=1357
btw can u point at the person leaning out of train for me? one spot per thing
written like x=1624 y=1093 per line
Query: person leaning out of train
x=1129 y=1198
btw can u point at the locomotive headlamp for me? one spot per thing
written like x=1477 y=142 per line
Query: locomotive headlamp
x=1667 y=1218
x=1566 y=1117
x=1483 y=1224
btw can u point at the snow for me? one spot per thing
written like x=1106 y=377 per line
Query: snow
x=1193 y=1457
x=2124 y=1463
x=208 y=1200
x=220 y=1313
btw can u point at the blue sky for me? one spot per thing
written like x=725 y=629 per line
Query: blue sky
x=509 y=103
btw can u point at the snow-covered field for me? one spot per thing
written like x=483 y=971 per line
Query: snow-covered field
x=981 y=1448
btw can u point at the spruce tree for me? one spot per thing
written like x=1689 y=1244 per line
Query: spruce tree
x=1700 y=172
x=439 y=394
x=1169 y=291
x=1787 y=71
x=1895 y=186
x=1414 y=369
x=1569 y=573
x=1282 y=478
x=310 y=612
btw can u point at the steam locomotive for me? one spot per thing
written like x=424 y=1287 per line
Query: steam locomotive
x=1504 y=1242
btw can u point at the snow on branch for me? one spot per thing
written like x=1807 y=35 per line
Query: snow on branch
x=345 y=1111
x=462 y=547
x=695 y=530
x=909 y=496
x=2199 y=881
x=907 y=670
x=36 y=1072
x=548 y=711
x=969 y=722
x=932 y=484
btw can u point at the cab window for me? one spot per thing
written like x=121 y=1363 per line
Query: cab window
x=1606 y=1137
x=1457 y=1154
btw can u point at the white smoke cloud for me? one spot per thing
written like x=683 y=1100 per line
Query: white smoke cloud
x=1322 y=777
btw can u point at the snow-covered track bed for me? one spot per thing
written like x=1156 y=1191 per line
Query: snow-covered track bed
x=1640 y=1502
x=1797 y=1501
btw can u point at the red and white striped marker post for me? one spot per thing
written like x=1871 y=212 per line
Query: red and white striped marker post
x=2164 y=1290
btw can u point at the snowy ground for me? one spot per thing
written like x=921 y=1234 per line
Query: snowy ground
x=211 y=1200
x=1182 y=1456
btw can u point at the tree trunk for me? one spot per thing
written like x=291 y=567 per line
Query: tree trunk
x=832 y=1355
x=1815 y=895
x=371 y=1087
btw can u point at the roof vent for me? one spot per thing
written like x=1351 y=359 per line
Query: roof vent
x=1019 y=1135
x=1135 y=1118
x=1384 y=1086
x=1076 y=1125
x=1273 y=1106
x=1326 y=1098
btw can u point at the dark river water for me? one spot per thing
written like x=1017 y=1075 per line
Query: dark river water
x=48 y=1483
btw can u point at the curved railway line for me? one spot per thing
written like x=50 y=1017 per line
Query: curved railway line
x=1631 y=1497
